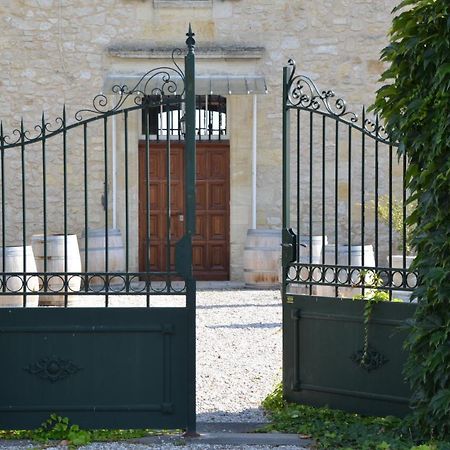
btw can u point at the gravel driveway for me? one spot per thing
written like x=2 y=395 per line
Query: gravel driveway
x=238 y=353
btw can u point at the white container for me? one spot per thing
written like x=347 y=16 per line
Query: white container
x=14 y=263
x=315 y=252
x=56 y=263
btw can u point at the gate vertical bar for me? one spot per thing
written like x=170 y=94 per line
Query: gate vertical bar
x=2 y=149
x=147 y=200
x=286 y=192
x=189 y=177
x=105 y=205
x=86 y=208
x=24 y=220
x=44 y=200
x=297 y=253
x=404 y=213
x=127 y=223
x=64 y=122
x=336 y=202
x=168 y=200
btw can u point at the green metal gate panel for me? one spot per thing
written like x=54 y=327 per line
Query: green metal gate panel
x=323 y=338
x=102 y=367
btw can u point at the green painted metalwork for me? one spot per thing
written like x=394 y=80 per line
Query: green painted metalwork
x=327 y=150
x=190 y=202
x=322 y=339
x=102 y=367
x=319 y=144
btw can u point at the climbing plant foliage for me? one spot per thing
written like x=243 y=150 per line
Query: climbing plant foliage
x=414 y=102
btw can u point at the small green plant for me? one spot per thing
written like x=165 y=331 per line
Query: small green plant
x=58 y=428
x=372 y=296
x=274 y=401
x=393 y=212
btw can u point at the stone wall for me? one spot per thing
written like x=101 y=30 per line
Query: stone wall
x=56 y=52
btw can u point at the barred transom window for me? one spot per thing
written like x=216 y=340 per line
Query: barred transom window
x=164 y=120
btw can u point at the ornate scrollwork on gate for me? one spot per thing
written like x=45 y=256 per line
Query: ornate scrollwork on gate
x=52 y=368
x=303 y=93
x=161 y=81
x=351 y=276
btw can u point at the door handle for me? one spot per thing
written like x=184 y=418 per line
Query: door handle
x=181 y=217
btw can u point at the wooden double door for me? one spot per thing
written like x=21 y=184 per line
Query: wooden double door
x=211 y=243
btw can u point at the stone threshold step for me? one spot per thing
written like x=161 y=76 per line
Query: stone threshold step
x=236 y=434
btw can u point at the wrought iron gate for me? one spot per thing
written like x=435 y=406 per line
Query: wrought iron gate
x=344 y=212
x=119 y=351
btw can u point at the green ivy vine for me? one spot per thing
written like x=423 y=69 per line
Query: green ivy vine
x=371 y=296
x=414 y=102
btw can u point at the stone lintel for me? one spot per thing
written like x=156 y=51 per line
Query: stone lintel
x=205 y=52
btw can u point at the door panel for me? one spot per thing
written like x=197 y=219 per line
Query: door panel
x=211 y=241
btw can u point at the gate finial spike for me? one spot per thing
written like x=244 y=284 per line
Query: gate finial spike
x=22 y=130
x=190 y=41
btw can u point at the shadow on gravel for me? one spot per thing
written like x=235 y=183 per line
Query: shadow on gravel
x=247 y=325
x=246 y=305
x=245 y=418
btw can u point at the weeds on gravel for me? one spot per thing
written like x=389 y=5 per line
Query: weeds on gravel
x=59 y=429
x=334 y=429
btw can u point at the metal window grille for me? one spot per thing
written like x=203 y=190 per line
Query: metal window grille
x=210 y=118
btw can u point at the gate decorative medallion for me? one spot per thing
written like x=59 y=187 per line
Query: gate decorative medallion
x=115 y=344
x=52 y=368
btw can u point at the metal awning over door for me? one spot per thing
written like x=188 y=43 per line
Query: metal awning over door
x=204 y=84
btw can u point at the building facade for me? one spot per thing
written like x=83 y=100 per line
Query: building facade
x=57 y=52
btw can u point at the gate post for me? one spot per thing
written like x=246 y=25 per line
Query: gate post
x=189 y=176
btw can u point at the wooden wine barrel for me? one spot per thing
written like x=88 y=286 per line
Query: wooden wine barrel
x=56 y=263
x=14 y=263
x=97 y=254
x=262 y=258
